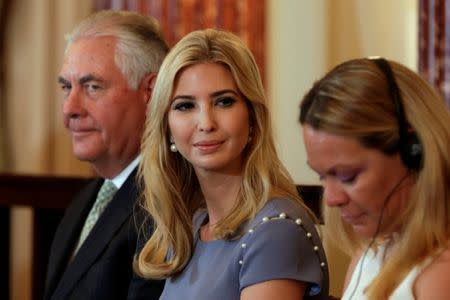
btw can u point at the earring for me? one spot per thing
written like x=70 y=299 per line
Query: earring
x=250 y=135
x=173 y=147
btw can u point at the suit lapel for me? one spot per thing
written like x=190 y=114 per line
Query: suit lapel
x=116 y=213
x=69 y=231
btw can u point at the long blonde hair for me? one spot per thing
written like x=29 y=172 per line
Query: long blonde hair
x=353 y=100
x=171 y=190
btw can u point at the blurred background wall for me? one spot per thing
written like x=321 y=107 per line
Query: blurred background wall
x=304 y=39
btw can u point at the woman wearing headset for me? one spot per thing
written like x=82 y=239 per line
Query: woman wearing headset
x=379 y=138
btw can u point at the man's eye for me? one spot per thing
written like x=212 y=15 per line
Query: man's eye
x=183 y=106
x=92 y=87
x=225 y=101
x=65 y=87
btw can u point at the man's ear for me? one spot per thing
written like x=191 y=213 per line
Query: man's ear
x=147 y=85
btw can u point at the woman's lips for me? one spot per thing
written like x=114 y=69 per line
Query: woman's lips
x=208 y=146
x=352 y=218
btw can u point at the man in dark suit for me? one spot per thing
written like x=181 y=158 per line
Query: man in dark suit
x=107 y=77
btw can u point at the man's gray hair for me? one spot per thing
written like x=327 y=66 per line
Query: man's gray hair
x=140 y=48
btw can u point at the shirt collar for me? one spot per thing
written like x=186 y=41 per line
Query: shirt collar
x=120 y=179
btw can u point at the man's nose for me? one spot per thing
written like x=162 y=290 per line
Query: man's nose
x=73 y=104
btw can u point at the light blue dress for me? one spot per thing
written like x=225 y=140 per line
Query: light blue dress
x=281 y=242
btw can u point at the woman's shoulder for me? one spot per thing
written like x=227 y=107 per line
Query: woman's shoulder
x=434 y=280
x=284 y=221
x=283 y=207
x=282 y=242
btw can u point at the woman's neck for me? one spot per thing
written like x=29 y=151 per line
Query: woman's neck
x=221 y=192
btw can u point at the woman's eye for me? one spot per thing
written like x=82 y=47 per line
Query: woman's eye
x=347 y=178
x=225 y=101
x=183 y=106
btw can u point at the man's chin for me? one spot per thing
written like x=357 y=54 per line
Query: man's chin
x=85 y=155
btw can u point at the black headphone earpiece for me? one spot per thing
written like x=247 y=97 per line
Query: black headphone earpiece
x=410 y=146
x=411 y=152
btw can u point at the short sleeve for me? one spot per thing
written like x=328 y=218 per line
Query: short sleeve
x=280 y=248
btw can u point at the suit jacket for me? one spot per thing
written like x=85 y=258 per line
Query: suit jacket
x=102 y=267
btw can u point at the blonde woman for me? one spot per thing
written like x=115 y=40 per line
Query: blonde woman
x=228 y=221
x=379 y=137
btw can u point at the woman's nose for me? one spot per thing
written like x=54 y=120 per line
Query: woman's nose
x=333 y=194
x=206 y=120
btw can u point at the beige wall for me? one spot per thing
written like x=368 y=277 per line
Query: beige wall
x=298 y=51
x=34 y=48
x=305 y=38
x=361 y=28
